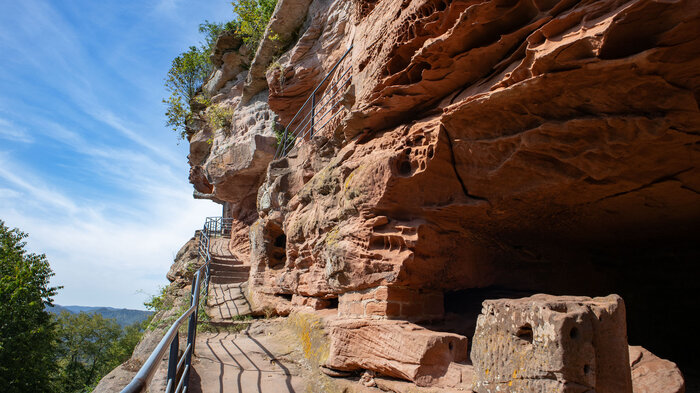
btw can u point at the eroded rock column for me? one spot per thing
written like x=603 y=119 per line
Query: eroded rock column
x=545 y=343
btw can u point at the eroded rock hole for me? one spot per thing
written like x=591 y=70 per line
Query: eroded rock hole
x=586 y=369
x=277 y=254
x=525 y=333
x=462 y=307
x=405 y=168
x=286 y=296
x=573 y=333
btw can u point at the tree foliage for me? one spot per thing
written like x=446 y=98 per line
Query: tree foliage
x=90 y=346
x=190 y=69
x=85 y=340
x=43 y=353
x=186 y=75
x=253 y=17
x=27 y=335
x=212 y=31
x=188 y=72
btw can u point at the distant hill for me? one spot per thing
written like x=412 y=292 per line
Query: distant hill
x=124 y=316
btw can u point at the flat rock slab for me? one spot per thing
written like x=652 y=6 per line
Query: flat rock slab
x=227 y=301
x=240 y=363
x=398 y=349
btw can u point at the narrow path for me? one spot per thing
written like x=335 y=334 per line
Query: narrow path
x=241 y=363
x=228 y=285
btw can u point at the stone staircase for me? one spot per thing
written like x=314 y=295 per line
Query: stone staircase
x=228 y=284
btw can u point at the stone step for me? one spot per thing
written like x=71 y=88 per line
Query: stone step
x=229 y=268
x=230 y=273
x=224 y=258
x=229 y=279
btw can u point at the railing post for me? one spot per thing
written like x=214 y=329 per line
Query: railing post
x=192 y=329
x=313 y=113
x=172 y=361
x=284 y=143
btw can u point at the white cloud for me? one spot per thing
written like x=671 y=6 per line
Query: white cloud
x=102 y=258
x=13 y=133
x=103 y=190
x=36 y=191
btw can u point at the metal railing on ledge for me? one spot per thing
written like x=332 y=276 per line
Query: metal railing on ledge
x=322 y=111
x=179 y=364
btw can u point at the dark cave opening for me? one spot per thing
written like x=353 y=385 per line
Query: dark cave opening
x=332 y=302
x=277 y=247
x=659 y=282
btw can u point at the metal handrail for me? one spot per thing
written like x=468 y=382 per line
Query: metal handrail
x=310 y=131
x=321 y=106
x=213 y=226
x=283 y=148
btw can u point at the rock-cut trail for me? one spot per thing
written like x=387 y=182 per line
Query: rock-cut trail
x=228 y=284
x=243 y=362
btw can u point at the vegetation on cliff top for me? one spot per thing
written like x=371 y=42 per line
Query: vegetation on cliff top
x=190 y=69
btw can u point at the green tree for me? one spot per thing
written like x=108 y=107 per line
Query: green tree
x=121 y=349
x=212 y=31
x=186 y=75
x=86 y=349
x=253 y=16
x=27 y=335
x=190 y=69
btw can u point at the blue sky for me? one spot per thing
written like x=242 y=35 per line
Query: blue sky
x=87 y=167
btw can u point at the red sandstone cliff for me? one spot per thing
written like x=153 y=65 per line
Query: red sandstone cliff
x=517 y=146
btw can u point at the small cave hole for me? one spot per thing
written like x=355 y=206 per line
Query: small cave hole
x=586 y=369
x=573 y=333
x=525 y=333
x=431 y=152
x=333 y=302
x=451 y=346
x=277 y=249
x=286 y=296
x=405 y=168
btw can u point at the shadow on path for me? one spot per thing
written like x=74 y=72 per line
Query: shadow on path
x=223 y=357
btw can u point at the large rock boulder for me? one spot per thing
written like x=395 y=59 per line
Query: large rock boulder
x=398 y=349
x=651 y=374
x=552 y=344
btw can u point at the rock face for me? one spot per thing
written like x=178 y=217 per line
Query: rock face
x=653 y=374
x=537 y=146
x=553 y=344
x=399 y=349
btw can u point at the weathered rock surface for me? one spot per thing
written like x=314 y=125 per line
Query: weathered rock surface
x=653 y=374
x=328 y=34
x=546 y=343
x=280 y=32
x=514 y=144
x=399 y=349
x=540 y=146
